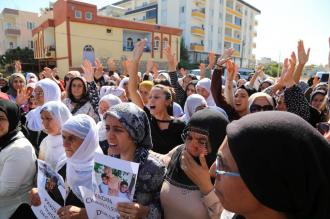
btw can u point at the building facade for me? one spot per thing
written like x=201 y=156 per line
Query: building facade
x=78 y=32
x=208 y=25
x=16 y=29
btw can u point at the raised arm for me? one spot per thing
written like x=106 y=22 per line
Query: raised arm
x=303 y=59
x=132 y=69
x=255 y=76
x=229 y=94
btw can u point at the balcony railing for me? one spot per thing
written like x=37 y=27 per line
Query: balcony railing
x=198 y=14
x=197 y=31
x=12 y=31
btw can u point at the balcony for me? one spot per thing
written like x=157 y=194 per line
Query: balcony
x=232 y=40
x=233 y=26
x=196 y=47
x=237 y=54
x=198 y=14
x=234 y=12
x=256 y=23
x=197 y=31
x=254 y=45
x=255 y=34
x=12 y=31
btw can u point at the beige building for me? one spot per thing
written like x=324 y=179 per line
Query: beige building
x=77 y=32
x=208 y=25
x=16 y=29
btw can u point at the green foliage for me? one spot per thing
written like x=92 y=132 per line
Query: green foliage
x=272 y=69
x=24 y=55
x=184 y=57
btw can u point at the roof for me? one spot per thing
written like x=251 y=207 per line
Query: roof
x=121 y=2
x=247 y=4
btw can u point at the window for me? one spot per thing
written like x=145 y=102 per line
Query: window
x=144 y=4
x=77 y=14
x=89 y=15
x=228 y=32
x=202 y=42
x=156 y=45
x=237 y=47
x=238 y=21
x=230 y=4
x=227 y=45
x=30 y=25
x=11 y=45
x=229 y=18
x=182 y=9
x=129 y=44
x=30 y=44
x=165 y=42
x=151 y=14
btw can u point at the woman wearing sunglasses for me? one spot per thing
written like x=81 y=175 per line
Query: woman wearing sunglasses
x=187 y=191
x=289 y=177
x=260 y=102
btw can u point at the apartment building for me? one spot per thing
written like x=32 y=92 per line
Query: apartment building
x=77 y=31
x=208 y=25
x=16 y=29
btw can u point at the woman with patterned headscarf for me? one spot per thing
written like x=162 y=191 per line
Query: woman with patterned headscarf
x=129 y=138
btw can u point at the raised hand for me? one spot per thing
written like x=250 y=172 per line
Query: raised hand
x=288 y=79
x=22 y=96
x=230 y=70
x=138 y=50
x=155 y=70
x=227 y=54
x=18 y=66
x=88 y=70
x=48 y=73
x=111 y=64
x=171 y=59
x=202 y=69
x=211 y=60
x=150 y=65
x=302 y=55
x=99 y=69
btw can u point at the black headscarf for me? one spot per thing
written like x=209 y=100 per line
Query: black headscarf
x=13 y=114
x=284 y=162
x=85 y=97
x=208 y=122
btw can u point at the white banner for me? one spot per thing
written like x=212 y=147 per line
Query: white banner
x=51 y=190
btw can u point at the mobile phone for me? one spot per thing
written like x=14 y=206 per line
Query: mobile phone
x=323 y=127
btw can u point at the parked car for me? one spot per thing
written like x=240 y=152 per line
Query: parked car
x=196 y=72
x=324 y=76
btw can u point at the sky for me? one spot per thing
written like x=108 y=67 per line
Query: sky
x=281 y=24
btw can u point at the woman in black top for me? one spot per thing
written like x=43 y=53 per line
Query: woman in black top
x=165 y=130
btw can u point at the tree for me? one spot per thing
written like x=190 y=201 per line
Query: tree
x=184 y=57
x=24 y=55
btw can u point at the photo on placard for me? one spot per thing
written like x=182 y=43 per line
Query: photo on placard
x=115 y=182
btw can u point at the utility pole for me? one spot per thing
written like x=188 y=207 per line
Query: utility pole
x=242 y=51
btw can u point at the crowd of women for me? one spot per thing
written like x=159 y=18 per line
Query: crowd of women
x=218 y=147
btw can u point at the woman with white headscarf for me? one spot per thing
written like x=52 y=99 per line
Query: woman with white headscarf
x=45 y=90
x=203 y=88
x=31 y=78
x=80 y=141
x=124 y=84
x=117 y=91
x=106 y=102
x=192 y=103
x=53 y=115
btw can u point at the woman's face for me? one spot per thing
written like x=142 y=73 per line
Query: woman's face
x=190 y=90
x=280 y=106
x=317 y=101
x=117 y=136
x=196 y=143
x=77 y=88
x=103 y=107
x=157 y=101
x=4 y=124
x=18 y=83
x=39 y=96
x=260 y=104
x=203 y=92
x=71 y=143
x=241 y=100
x=231 y=190
x=51 y=124
x=144 y=92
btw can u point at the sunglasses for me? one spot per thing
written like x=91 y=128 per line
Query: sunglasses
x=220 y=168
x=323 y=127
x=258 y=108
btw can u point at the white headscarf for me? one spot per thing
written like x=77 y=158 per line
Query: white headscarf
x=192 y=102
x=79 y=168
x=206 y=84
x=117 y=91
x=51 y=92
x=123 y=81
x=112 y=100
x=31 y=76
x=54 y=153
x=254 y=96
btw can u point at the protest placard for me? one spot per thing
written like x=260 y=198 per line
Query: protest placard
x=116 y=180
x=51 y=190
